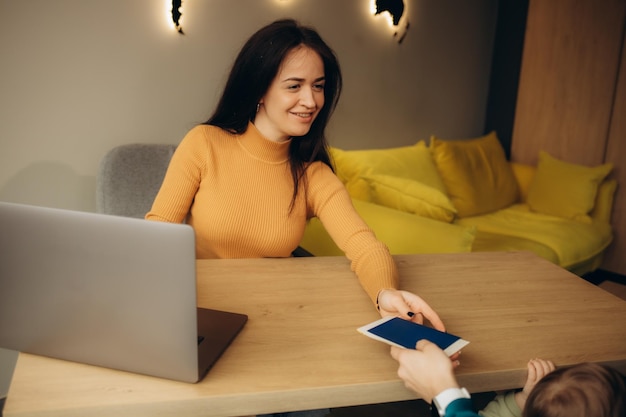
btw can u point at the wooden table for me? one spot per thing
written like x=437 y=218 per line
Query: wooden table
x=300 y=348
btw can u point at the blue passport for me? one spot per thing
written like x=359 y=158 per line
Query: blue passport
x=403 y=333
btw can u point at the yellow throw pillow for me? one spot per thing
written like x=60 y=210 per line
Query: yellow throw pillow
x=477 y=176
x=414 y=162
x=411 y=196
x=563 y=189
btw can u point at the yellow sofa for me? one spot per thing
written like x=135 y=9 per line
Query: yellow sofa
x=464 y=196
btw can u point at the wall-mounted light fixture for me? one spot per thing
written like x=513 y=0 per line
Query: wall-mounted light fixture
x=177 y=14
x=394 y=10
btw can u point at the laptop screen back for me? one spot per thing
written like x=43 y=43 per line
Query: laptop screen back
x=104 y=290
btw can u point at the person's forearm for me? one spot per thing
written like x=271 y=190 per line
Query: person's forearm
x=520 y=399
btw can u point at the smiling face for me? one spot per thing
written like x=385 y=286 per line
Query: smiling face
x=294 y=98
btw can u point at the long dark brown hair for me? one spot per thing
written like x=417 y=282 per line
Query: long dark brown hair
x=253 y=71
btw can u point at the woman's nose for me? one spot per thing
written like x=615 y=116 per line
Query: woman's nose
x=307 y=97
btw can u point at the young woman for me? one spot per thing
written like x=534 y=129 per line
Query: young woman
x=250 y=177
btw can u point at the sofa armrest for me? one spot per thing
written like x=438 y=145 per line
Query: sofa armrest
x=604 y=201
x=524 y=175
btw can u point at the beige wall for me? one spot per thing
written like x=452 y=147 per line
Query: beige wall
x=78 y=77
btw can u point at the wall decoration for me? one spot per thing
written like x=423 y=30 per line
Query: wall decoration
x=177 y=14
x=394 y=7
x=395 y=10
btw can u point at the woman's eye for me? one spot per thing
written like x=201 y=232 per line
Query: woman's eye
x=293 y=87
x=319 y=87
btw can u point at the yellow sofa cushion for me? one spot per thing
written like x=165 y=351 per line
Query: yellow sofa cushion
x=564 y=189
x=574 y=242
x=414 y=162
x=495 y=242
x=477 y=176
x=410 y=196
x=403 y=233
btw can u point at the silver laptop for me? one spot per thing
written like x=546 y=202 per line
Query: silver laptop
x=105 y=290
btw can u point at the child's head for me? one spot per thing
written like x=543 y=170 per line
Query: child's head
x=583 y=390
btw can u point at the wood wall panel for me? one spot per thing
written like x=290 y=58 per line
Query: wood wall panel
x=615 y=259
x=567 y=81
x=572 y=95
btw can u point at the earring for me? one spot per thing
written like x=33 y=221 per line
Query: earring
x=258 y=106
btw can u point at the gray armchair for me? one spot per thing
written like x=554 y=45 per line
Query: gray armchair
x=129 y=177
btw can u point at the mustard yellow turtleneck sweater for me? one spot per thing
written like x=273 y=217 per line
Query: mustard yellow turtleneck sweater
x=235 y=191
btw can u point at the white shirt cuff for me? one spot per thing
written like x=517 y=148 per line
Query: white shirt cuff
x=445 y=397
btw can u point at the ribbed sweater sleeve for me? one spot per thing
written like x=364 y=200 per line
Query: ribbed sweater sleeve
x=370 y=258
x=182 y=180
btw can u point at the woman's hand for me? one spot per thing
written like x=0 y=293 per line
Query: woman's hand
x=408 y=306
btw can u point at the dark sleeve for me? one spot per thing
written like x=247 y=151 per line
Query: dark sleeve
x=461 y=407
